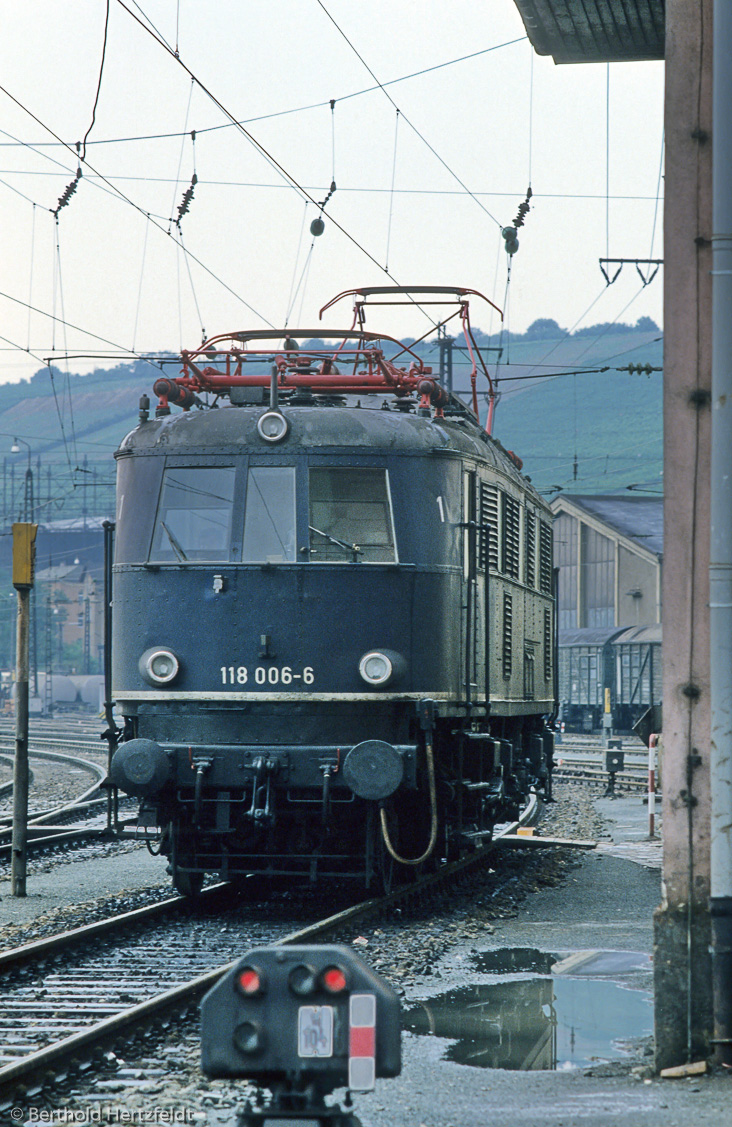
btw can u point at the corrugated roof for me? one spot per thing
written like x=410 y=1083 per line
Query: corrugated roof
x=589 y=635
x=640 y=635
x=640 y=519
x=595 y=31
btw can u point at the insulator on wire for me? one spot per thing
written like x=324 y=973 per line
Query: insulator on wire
x=318 y=226
x=184 y=205
x=523 y=209
x=68 y=192
x=510 y=240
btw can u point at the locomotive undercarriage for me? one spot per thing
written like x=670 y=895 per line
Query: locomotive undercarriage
x=275 y=810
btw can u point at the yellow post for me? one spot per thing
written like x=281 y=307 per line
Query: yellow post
x=24 y=551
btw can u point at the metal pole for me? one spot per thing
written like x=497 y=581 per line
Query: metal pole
x=24 y=536
x=20 y=771
x=652 y=744
x=112 y=733
x=720 y=570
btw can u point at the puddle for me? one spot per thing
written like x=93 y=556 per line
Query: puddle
x=582 y=1009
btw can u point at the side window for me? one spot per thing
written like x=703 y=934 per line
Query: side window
x=269 y=515
x=350 y=516
x=193 y=520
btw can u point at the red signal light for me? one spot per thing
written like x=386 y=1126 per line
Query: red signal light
x=249 y=981
x=334 y=980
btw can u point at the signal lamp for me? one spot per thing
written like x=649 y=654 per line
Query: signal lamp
x=333 y=980
x=302 y=980
x=249 y=1038
x=249 y=982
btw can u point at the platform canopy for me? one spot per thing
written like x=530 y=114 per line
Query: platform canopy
x=595 y=31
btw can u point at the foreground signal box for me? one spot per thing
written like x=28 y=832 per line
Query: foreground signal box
x=298 y=1016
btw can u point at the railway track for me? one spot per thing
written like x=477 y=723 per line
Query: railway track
x=40 y=822
x=582 y=760
x=68 y=997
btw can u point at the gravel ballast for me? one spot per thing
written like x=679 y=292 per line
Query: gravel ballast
x=546 y=899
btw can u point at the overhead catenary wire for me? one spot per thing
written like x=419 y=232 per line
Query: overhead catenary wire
x=391 y=197
x=147 y=215
x=58 y=283
x=184 y=205
x=292 y=110
x=192 y=285
x=290 y=297
x=411 y=125
x=272 y=161
x=139 y=288
x=99 y=85
x=122 y=350
x=30 y=273
x=658 y=196
x=373 y=190
x=607 y=161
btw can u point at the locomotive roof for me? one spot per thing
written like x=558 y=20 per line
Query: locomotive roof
x=358 y=425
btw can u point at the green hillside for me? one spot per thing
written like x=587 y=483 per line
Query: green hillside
x=612 y=421
x=71 y=424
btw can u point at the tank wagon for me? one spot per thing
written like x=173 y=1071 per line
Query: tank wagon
x=333 y=611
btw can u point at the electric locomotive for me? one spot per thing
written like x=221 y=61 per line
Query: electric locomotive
x=333 y=610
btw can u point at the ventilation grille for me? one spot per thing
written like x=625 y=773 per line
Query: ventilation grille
x=530 y=549
x=511 y=537
x=507 y=634
x=545 y=558
x=488 y=519
x=548 y=648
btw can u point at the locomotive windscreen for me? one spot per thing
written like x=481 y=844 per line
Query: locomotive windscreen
x=194 y=515
x=352 y=506
x=269 y=515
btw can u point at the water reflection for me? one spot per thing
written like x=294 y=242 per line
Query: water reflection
x=581 y=1009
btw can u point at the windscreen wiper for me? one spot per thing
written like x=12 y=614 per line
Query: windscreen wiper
x=339 y=543
x=175 y=543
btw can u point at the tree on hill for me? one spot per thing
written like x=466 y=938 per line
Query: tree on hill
x=544 y=329
x=646 y=325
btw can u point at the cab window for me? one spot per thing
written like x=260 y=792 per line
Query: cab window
x=350 y=518
x=193 y=520
x=269 y=515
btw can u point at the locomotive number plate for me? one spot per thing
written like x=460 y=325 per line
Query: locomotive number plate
x=266 y=675
x=315 y=1031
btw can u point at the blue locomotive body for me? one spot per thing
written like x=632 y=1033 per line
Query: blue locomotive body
x=333 y=633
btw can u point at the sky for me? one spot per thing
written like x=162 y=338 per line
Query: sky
x=428 y=168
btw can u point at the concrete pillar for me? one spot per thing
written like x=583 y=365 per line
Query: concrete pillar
x=683 y=1002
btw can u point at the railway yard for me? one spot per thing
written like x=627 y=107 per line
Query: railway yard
x=525 y=978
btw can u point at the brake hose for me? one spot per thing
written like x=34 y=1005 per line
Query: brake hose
x=433 y=806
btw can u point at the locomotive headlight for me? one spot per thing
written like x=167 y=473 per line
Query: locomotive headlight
x=272 y=426
x=376 y=668
x=159 y=666
x=380 y=667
